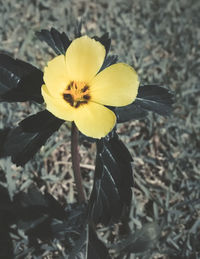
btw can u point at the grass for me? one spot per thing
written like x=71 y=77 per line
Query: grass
x=161 y=40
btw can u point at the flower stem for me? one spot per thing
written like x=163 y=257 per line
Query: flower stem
x=76 y=163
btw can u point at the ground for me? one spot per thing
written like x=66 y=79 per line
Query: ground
x=161 y=40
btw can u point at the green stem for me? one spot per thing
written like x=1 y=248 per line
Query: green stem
x=76 y=163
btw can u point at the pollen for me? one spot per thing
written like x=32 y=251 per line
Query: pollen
x=76 y=94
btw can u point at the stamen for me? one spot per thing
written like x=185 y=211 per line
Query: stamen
x=87 y=97
x=69 y=98
x=84 y=89
x=76 y=94
x=79 y=103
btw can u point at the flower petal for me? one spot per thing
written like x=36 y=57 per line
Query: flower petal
x=57 y=106
x=55 y=76
x=94 y=120
x=116 y=85
x=84 y=58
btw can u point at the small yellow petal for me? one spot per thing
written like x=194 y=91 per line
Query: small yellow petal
x=116 y=85
x=55 y=76
x=84 y=58
x=94 y=120
x=57 y=106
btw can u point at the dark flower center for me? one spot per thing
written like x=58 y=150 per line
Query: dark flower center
x=76 y=94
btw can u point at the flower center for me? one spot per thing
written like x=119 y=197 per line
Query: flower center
x=76 y=94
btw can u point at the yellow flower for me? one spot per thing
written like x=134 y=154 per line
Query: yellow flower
x=75 y=91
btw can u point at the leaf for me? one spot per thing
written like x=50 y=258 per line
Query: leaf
x=6 y=250
x=150 y=98
x=19 y=81
x=3 y=134
x=156 y=98
x=5 y=205
x=109 y=60
x=73 y=232
x=34 y=204
x=79 y=250
x=70 y=230
x=59 y=42
x=6 y=245
x=39 y=121
x=140 y=241
x=88 y=246
x=22 y=145
x=96 y=248
x=34 y=213
x=40 y=216
x=104 y=40
x=111 y=193
x=133 y=111
x=77 y=30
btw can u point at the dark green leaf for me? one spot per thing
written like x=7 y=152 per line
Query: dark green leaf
x=104 y=40
x=109 y=60
x=78 y=27
x=22 y=145
x=96 y=248
x=140 y=241
x=19 y=81
x=6 y=246
x=59 y=42
x=88 y=246
x=113 y=180
x=79 y=250
x=39 y=122
x=150 y=98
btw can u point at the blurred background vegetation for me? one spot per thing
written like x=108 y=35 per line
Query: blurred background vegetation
x=161 y=40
